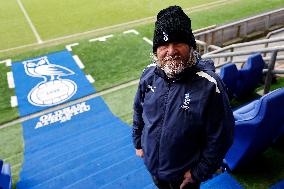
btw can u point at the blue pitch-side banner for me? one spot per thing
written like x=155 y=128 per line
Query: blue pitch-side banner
x=79 y=146
x=61 y=122
x=49 y=80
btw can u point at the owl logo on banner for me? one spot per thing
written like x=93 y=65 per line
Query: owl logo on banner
x=53 y=89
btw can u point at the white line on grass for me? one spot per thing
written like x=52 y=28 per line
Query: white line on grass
x=14 y=101
x=102 y=39
x=8 y=62
x=90 y=78
x=69 y=47
x=38 y=38
x=123 y=25
x=10 y=80
x=78 y=62
x=94 y=95
x=148 y=40
x=131 y=31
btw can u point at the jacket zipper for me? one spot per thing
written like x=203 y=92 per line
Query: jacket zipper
x=163 y=121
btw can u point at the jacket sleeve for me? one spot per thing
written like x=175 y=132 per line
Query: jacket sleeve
x=138 y=123
x=218 y=134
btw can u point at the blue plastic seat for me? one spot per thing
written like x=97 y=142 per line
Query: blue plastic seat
x=5 y=176
x=1 y=164
x=230 y=74
x=246 y=80
x=222 y=181
x=278 y=185
x=250 y=75
x=257 y=125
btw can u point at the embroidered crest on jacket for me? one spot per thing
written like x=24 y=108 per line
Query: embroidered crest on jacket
x=186 y=101
x=151 y=88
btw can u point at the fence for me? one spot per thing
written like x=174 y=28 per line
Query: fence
x=241 y=30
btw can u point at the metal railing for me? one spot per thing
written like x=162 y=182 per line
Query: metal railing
x=242 y=29
x=270 y=34
x=271 y=65
x=270 y=73
x=231 y=48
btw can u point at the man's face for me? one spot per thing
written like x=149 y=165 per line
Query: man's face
x=173 y=58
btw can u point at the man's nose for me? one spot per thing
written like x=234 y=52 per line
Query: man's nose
x=171 y=49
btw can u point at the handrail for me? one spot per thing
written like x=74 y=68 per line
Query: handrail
x=279 y=71
x=251 y=43
x=214 y=47
x=246 y=52
x=274 y=32
x=203 y=44
x=241 y=61
x=269 y=73
x=241 y=21
x=204 y=29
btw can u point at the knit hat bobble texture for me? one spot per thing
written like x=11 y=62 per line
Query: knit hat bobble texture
x=173 y=25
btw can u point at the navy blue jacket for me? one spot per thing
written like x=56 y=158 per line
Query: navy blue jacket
x=182 y=124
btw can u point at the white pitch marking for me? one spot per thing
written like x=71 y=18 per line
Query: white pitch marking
x=148 y=40
x=10 y=80
x=69 y=47
x=131 y=31
x=135 y=22
x=102 y=39
x=90 y=78
x=78 y=61
x=8 y=62
x=14 y=101
x=29 y=21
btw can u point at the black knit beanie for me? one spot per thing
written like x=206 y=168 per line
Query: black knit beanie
x=173 y=25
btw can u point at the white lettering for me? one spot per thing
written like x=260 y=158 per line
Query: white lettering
x=63 y=115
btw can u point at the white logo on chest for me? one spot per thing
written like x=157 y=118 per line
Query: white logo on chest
x=186 y=101
x=151 y=88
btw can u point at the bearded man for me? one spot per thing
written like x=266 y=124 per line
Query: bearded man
x=182 y=122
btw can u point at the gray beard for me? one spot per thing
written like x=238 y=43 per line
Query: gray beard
x=173 y=66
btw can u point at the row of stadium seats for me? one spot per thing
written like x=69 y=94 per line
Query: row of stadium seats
x=244 y=81
x=5 y=175
x=226 y=181
x=257 y=125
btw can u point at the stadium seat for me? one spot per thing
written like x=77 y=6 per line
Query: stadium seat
x=5 y=176
x=1 y=164
x=278 y=185
x=229 y=74
x=257 y=125
x=250 y=75
x=222 y=181
x=246 y=80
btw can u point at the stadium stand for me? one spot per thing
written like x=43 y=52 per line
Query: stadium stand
x=101 y=155
x=258 y=124
x=246 y=80
x=5 y=175
x=229 y=74
x=222 y=181
x=278 y=185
